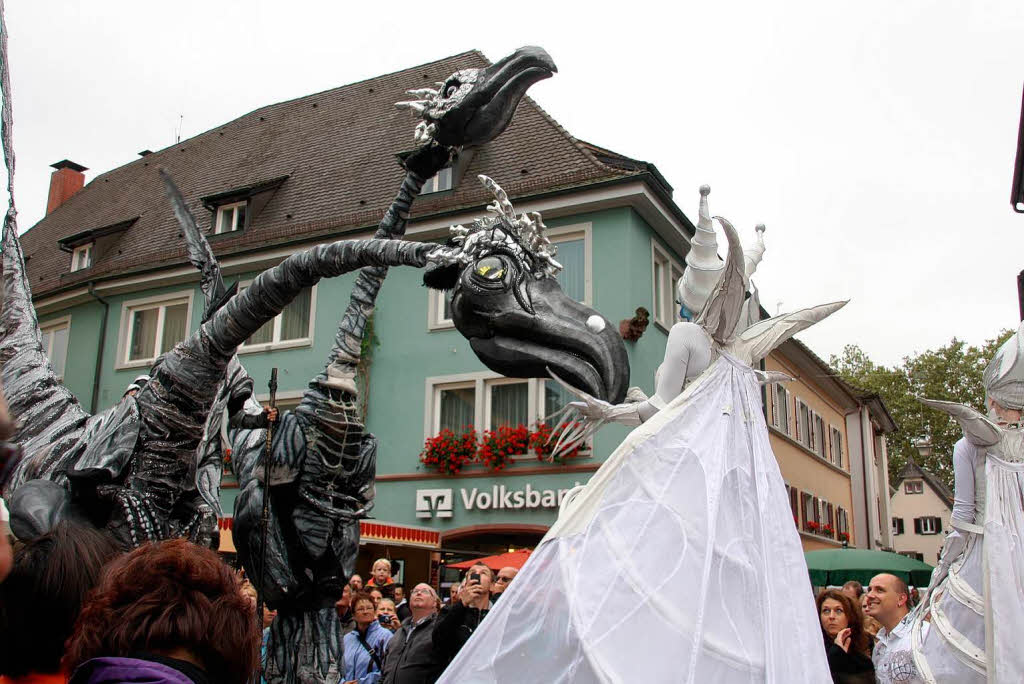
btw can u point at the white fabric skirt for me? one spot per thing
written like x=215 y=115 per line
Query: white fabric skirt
x=977 y=611
x=678 y=562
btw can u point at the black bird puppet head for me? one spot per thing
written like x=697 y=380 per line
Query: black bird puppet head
x=473 y=106
x=507 y=302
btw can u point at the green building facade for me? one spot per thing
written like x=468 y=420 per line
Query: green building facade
x=110 y=298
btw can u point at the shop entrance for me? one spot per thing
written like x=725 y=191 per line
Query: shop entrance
x=478 y=541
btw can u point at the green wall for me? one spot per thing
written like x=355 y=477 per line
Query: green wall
x=407 y=354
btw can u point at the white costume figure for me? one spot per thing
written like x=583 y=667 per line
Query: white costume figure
x=678 y=561
x=976 y=600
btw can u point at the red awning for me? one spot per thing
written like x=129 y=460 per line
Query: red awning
x=369 y=531
x=516 y=559
x=398 y=535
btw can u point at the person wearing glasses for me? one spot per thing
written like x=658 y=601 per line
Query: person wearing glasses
x=411 y=657
x=501 y=582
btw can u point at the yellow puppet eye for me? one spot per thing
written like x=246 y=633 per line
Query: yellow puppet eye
x=490 y=268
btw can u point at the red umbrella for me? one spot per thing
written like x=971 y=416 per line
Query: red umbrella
x=515 y=559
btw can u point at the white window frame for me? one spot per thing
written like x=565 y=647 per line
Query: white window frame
x=49 y=327
x=802 y=436
x=777 y=404
x=665 y=313
x=156 y=301
x=218 y=227
x=818 y=440
x=913 y=487
x=928 y=524
x=435 y=311
x=81 y=257
x=435 y=298
x=275 y=338
x=482 y=382
x=439 y=182
x=835 y=441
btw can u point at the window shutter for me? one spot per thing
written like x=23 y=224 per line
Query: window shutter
x=803 y=508
x=938 y=525
x=917 y=526
x=816 y=509
x=796 y=417
x=831 y=515
x=792 y=501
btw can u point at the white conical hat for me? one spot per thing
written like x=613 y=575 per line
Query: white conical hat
x=752 y=255
x=703 y=267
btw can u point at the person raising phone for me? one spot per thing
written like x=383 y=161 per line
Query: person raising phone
x=465 y=613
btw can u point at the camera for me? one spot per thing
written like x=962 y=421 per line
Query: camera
x=384 y=620
x=474 y=577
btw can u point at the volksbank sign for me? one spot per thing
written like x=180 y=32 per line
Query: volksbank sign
x=439 y=503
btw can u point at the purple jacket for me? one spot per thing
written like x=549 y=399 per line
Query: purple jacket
x=160 y=670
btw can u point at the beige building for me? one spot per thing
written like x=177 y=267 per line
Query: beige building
x=866 y=429
x=810 y=421
x=921 y=508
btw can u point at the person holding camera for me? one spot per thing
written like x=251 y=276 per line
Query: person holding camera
x=458 y=622
x=387 y=616
x=363 y=647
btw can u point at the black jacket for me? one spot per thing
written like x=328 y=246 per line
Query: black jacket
x=411 y=657
x=455 y=625
x=849 y=668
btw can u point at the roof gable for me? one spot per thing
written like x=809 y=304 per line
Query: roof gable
x=911 y=470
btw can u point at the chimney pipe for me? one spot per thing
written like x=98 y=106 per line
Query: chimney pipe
x=65 y=182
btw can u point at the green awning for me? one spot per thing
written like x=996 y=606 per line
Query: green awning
x=837 y=566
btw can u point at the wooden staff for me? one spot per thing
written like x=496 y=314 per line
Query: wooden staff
x=265 y=514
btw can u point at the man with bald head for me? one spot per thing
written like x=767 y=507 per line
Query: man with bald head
x=411 y=657
x=501 y=582
x=888 y=599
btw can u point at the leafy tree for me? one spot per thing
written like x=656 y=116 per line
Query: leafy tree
x=952 y=372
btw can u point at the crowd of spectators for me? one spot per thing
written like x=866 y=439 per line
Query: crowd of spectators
x=74 y=609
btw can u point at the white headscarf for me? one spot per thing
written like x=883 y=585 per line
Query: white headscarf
x=1004 y=376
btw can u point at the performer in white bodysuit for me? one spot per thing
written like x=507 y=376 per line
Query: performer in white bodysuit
x=678 y=561
x=975 y=604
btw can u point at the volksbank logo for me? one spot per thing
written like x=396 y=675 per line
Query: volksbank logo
x=438 y=503
x=433 y=501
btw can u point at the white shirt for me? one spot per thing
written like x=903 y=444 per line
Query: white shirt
x=894 y=663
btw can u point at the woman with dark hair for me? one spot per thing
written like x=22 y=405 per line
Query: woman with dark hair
x=41 y=598
x=847 y=645
x=166 y=613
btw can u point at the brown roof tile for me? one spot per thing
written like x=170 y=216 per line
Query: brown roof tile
x=337 y=149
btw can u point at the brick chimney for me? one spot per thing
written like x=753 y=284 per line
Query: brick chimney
x=65 y=182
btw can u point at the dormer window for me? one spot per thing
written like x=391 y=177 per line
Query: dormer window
x=230 y=217
x=81 y=257
x=440 y=182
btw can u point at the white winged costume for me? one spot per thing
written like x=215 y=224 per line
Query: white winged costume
x=679 y=560
x=976 y=601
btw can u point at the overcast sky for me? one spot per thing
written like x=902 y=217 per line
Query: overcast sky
x=875 y=139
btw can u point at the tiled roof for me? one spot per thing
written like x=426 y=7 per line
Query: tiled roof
x=337 y=149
